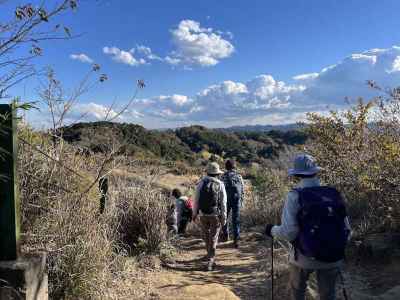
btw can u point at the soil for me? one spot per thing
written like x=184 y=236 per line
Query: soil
x=244 y=273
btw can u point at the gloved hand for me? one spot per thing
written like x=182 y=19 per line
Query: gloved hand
x=268 y=229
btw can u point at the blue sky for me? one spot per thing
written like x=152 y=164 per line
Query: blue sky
x=222 y=63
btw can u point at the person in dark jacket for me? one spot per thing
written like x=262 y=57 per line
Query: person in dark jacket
x=300 y=265
x=234 y=186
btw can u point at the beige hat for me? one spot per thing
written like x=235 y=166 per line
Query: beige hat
x=213 y=169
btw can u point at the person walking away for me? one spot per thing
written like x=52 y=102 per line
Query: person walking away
x=234 y=186
x=171 y=220
x=315 y=221
x=210 y=205
x=184 y=211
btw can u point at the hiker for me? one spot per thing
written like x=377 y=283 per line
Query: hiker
x=171 y=219
x=234 y=187
x=184 y=212
x=315 y=222
x=210 y=205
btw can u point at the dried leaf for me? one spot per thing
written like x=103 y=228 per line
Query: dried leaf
x=96 y=67
x=67 y=31
x=73 y=4
x=103 y=77
x=43 y=15
x=141 y=84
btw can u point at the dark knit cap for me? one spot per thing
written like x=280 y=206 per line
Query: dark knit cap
x=176 y=193
x=230 y=164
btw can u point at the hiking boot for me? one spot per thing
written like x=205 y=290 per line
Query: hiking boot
x=236 y=244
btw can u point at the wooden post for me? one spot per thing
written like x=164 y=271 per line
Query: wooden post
x=103 y=187
x=9 y=197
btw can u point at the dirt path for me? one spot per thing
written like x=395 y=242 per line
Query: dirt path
x=244 y=273
x=240 y=273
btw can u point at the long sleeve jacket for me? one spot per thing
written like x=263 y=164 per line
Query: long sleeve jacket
x=222 y=197
x=289 y=228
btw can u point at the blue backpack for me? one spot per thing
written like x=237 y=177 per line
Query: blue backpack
x=321 y=218
x=233 y=186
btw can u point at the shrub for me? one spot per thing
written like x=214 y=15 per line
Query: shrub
x=141 y=212
x=85 y=257
x=263 y=203
x=362 y=159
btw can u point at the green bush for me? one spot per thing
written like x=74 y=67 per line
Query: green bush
x=362 y=159
x=263 y=203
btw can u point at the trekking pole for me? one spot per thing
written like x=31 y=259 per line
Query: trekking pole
x=272 y=269
x=343 y=286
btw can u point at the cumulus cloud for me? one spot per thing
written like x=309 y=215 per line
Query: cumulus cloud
x=124 y=57
x=81 y=112
x=306 y=77
x=82 y=58
x=227 y=100
x=170 y=107
x=193 y=45
x=198 y=46
x=267 y=100
x=92 y=111
x=147 y=52
x=348 y=77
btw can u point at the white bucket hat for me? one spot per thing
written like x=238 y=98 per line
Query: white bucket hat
x=213 y=169
x=304 y=164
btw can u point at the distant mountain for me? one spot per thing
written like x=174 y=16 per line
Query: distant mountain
x=186 y=143
x=263 y=128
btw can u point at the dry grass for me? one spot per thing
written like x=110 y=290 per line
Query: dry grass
x=264 y=197
x=88 y=253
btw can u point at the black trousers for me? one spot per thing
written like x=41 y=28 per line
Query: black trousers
x=182 y=226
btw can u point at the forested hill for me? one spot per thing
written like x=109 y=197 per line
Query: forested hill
x=186 y=143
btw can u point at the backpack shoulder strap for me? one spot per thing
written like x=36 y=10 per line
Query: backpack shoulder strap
x=299 y=192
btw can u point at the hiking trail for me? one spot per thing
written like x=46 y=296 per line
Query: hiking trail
x=239 y=274
x=244 y=274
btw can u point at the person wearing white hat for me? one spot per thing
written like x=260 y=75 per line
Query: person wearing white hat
x=210 y=203
x=315 y=222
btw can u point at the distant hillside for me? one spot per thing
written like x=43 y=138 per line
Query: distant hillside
x=184 y=143
x=264 y=128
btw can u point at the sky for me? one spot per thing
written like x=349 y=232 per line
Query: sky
x=222 y=63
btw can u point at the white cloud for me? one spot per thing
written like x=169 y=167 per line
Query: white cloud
x=125 y=57
x=193 y=46
x=80 y=112
x=93 y=111
x=147 y=52
x=396 y=65
x=306 y=77
x=348 y=77
x=172 y=60
x=143 y=49
x=82 y=58
x=197 y=46
x=169 y=107
x=228 y=100
x=266 y=100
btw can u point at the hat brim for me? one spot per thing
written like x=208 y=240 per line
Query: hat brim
x=313 y=171
x=213 y=173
